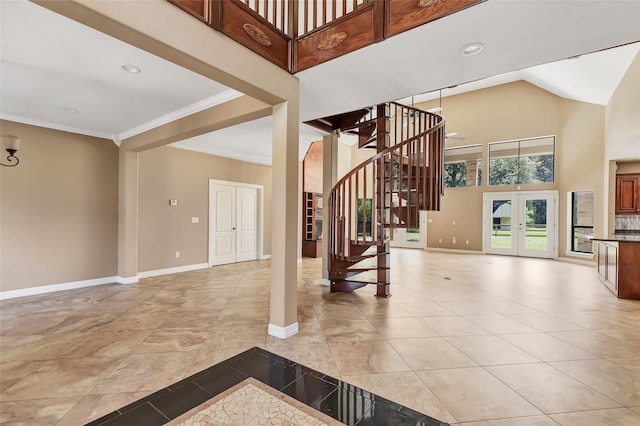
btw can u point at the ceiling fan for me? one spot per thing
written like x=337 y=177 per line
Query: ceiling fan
x=439 y=109
x=454 y=136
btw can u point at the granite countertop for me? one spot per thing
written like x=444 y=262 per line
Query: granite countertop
x=631 y=237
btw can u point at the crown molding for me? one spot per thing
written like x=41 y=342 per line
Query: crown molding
x=209 y=102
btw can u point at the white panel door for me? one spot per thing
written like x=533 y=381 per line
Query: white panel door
x=234 y=222
x=222 y=204
x=246 y=223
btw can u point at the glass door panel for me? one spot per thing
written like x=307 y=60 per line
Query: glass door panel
x=537 y=234
x=501 y=220
x=500 y=216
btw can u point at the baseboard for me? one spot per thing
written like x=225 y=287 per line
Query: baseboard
x=31 y=291
x=127 y=280
x=175 y=270
x=265 y=257
x=283 y=332
x=459 y=251
x=325 y=281
x=591 y=263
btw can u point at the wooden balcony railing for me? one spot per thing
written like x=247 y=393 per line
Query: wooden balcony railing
x=299 y=34
x=313 y=14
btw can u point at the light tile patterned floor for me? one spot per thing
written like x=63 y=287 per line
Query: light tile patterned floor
x=487 y=340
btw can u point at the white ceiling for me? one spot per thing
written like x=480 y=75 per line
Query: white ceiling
x=50 y=64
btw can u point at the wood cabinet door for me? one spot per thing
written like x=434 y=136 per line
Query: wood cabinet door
x=612 y=267
x=602 y=259
x=628 y=194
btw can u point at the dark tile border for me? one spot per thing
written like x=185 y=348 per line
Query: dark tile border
x=344 y=402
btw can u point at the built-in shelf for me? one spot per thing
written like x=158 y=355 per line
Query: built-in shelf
x=312 y=215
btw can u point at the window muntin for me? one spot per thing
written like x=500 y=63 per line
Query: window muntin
x=529 y=161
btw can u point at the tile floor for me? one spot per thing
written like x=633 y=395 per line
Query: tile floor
x=467 y=339
x=326 y=395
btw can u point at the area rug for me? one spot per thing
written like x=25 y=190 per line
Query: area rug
x=251 y=402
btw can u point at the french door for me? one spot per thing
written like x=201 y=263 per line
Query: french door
x=521 y=224
x=411 y=237
x=234 y=222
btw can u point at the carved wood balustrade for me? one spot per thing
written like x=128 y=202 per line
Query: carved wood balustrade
x=299 y=34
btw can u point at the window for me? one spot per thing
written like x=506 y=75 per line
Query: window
x=529 y=161
x=463 y=166
x=364 y=217
x=581 y=221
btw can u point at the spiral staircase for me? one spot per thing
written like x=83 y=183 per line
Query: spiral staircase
x=383 y=193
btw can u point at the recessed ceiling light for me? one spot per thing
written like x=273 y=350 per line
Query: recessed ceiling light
x=131 y=68
x=471 y=49
x=70 y=110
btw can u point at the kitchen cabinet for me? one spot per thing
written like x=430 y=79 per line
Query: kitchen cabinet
x=608 y=265
x=628 y=193
x=618 y=265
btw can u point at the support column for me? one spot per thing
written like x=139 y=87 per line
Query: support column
x=329 y=178
x=128 y=217
x=284 y=263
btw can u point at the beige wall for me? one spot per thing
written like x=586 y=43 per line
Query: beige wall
x=580 y=166
x=515 y=111
x=344 y=159
x=168 y=173
x=622 y=135
x=623 y=117
x=59 y=207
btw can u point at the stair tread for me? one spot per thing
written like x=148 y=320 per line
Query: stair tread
x=360 y=281
x=372 y=268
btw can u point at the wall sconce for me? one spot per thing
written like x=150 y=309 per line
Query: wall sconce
x=11 y=144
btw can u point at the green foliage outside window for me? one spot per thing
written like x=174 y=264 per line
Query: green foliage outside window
x=522 y=162
x=455 y=175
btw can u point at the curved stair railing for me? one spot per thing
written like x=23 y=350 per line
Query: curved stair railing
x=384 y=192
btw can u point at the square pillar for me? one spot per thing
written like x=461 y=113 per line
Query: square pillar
x=128 y=217
x=283 y=312
x=329 y=178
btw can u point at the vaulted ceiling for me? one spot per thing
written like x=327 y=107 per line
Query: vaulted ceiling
x=58 y=73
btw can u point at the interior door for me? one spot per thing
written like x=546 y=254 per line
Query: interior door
x=520 y=224
x=234 y=225
x=247 y=224
x=222 y=205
